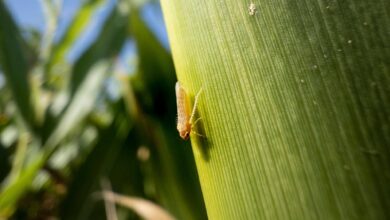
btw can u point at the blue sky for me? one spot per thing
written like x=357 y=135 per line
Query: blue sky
x=28 y=13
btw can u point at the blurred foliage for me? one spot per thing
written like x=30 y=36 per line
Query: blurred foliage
x=63 y=129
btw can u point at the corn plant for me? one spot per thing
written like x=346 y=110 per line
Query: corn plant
x=63 y=132
x=295 y=105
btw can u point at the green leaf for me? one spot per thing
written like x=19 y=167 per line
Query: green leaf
x=13 y=61
x=73 y=32
x=110 y=41
x=86 y=83
x=80 y=106
x=10 y=194
x=98 y=163
x=19 y=156
x=173 y=162
x=106 y=46
x=295 y=105
x=155 y=61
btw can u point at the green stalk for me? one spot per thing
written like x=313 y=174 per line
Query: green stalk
x=295 y=105
x=20 y=155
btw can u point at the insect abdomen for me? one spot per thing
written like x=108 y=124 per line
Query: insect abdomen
x=183 y=108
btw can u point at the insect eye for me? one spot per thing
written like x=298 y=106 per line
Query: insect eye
x=187 y=135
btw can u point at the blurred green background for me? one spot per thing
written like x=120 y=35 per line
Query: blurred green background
x=87 y=96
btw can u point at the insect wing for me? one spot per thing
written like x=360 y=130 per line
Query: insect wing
x=183 y=108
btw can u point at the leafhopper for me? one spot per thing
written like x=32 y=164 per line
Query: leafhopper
x=185 y=114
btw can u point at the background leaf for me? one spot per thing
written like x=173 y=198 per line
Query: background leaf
x=15 y=66
x=79 y=203
x=108 y=44
x=73 y=32
x=79 y=107
x=172 y=160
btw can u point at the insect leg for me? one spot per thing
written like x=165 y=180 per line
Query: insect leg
x=195 y=104
x=196 y=121
x=197 y=134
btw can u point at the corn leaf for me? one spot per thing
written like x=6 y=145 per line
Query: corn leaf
x=295 y=105
x=111 y=39
x=73 y=32
x=80 y=106
x=78 y=202
x=106 y=46
x=173 y=164
x=14 y=64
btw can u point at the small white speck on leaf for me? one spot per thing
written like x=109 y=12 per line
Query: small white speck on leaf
x=252 y=10
x=350 y=41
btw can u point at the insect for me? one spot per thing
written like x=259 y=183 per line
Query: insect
x=252 y=9
x=185 y=115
